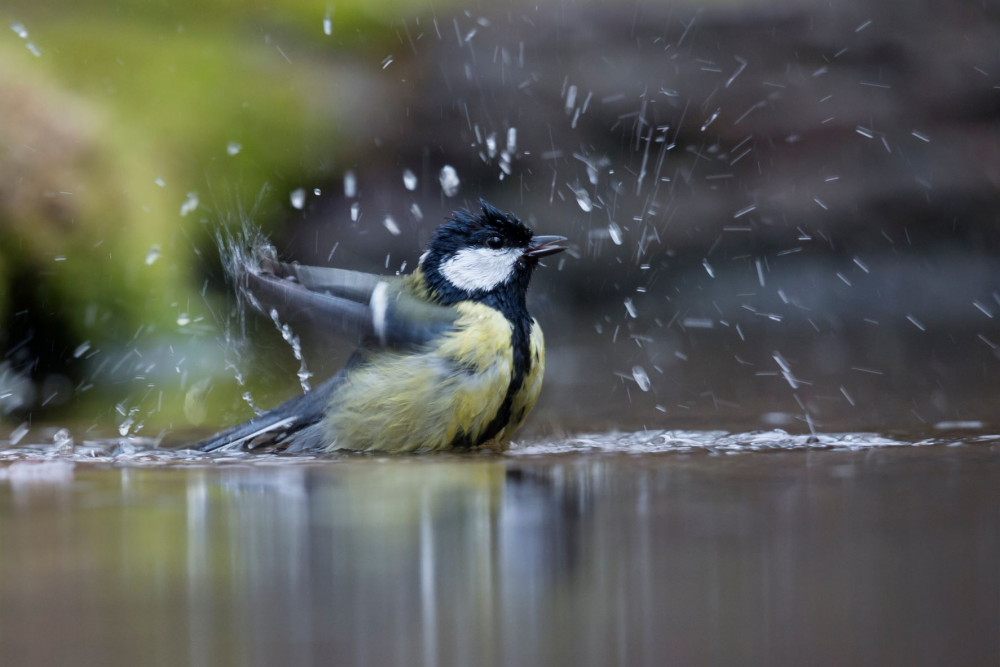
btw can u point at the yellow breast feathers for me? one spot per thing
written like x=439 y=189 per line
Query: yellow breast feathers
x=443 y=397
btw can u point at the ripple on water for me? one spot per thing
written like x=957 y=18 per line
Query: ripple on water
x=712 y=442
x=137 y=451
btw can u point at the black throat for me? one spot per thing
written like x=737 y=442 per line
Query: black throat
x=510 y=300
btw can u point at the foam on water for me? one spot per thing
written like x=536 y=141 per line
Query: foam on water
x=145 y=451
x=36 y=461
x=713 y=442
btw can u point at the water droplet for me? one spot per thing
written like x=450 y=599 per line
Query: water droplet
x=317 y=192
x=152 y=254
x=391 y=225
x=512 y=140
x=328 y=24
x=355 y=211
x=62 y=438
x=19 y=30
x=159 y=181
x=449 y=181
x=570 y=99
x=786 y=370
x=641 y=377
x=387 y=61
x=969 y=424
x=81 y=349
x=615 y=232
x=711 y=119
x=303 y=374
x=298 y=198
x=915 y=322
x=630 y=307
x=18 y=433
x=350 y=185
x=409 y=180
x=234 y=148
x=416 y=212
x=583 y=199
x=708 y=268
x=183 y=319
x=504 y=164
x=190 y=203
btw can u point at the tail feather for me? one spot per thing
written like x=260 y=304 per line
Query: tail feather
x=278 y=427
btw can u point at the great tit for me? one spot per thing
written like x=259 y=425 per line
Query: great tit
x=449 y=357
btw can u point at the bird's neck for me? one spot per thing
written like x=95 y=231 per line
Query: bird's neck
x=511 y=303
x=509 y=298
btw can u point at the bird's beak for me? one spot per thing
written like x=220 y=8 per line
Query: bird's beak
x=541 y=246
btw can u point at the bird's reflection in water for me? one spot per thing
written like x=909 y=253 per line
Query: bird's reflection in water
x=400 y=562
x=579 y=560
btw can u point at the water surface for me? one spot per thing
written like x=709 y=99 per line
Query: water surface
x=630 y=549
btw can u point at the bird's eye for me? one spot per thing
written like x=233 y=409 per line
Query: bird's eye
x=494 y=242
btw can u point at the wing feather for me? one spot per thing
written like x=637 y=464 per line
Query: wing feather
x=378 y=310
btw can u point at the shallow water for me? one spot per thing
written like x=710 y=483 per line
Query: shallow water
x=668 y=547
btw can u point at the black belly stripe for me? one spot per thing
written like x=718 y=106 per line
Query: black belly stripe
x=520 y=342
x=521 y=324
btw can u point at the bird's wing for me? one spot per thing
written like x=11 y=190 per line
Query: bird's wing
x=375 y=308
x=353 y=285
x=294 y=425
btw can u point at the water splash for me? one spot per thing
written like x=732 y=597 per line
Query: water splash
x=630 y=309
x=710 y=120
x=449 y=181
x=293 y=342
x=18 y=433
x=641 y=377
x=710 y=442
x=190 y=203
x=350 y=185
x=583 y=199
x=615 y=232
x=146 y=451
x=390 y=224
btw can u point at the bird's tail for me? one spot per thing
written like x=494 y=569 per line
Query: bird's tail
x=295 y=424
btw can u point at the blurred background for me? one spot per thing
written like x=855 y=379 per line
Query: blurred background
x=782 y=214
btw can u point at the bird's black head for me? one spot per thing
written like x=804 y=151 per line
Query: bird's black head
x=483 y=256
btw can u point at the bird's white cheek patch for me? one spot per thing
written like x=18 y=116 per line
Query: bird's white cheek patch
x=480 y=268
